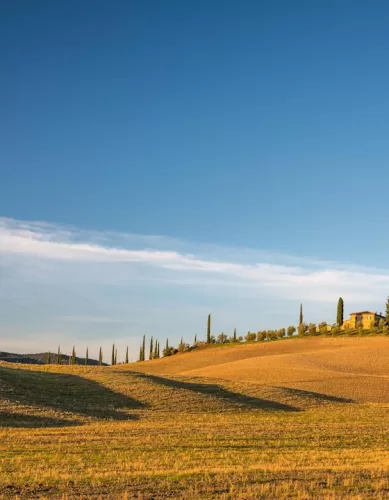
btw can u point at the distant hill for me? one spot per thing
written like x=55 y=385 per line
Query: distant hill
x=40 y=358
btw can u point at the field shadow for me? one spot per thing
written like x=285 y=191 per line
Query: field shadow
x=65 y=392
x=220 y=392
x=315 y=396
x=22 y=420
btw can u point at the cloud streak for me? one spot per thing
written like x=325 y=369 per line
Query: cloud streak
x=314 y=280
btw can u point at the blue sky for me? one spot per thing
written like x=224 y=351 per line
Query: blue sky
x=242 y=133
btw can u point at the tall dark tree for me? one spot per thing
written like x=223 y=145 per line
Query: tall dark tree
x=155 y=354
x=234 y=335
x=86 y=356
x=301 y=320
x=144 y=348
x=387 y=310
x=116 y=356
x=209 y=329
x=127 y=355
x=340 y=312
x=158 y=351
x=195 y=339
x=140 y=353
x=74 y=356
x=151 y=351
x=100 y=357
x=59 y=360
x=113 y=355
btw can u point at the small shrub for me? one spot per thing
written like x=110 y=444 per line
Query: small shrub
x=182 y=347
x=281 y=333
x=250 y=337
x=302 y=329
x=222 y=338
x=261 y=336
x=335 y=329
x=291 y=331
x=271 y=334
x=169 y=351
x=323 y=328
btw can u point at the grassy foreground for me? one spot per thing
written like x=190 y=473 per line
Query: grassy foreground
x=120 y=432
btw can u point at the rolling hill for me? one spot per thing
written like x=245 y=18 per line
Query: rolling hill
x=300 y=418
x=351 y=368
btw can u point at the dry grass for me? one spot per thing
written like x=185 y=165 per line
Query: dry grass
x=248 y=427
x=351 y=368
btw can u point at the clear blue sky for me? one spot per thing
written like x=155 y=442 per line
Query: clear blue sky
x=253 y=124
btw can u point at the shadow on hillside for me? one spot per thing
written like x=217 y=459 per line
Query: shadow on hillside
x=220 y=392
x=18 y=420
x=65 y=392
x=315 y=396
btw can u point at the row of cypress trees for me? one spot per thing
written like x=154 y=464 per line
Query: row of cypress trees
x=154 y=349
x=57 y=359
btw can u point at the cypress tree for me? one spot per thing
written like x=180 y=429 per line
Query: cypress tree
x=195 y=339
x=301 y=320
x=155 y=354
x=59 y=356
x=340 y=311
x=127 y=355
x=151 y=352
x=158 y=353
x=113 y=355
x=100 y=357
x=74 y=356
x=167 y=345
x=144 y=348
x=86 y=356
x=234 y=334
x=140 y=353
x=387 y=311
x=209 y=329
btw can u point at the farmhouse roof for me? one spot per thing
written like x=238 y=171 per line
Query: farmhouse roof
x=368 y=312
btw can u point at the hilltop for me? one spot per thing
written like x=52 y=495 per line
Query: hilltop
x=349 y=367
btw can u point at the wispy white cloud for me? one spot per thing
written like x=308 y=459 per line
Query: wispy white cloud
x=64 y=285
x=310 y=279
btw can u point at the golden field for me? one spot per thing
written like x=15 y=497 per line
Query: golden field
x=296 y=418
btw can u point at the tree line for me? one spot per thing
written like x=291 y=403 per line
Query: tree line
x=304 y=329
x=58 y=358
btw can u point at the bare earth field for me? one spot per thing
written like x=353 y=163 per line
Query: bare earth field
x=297 y=418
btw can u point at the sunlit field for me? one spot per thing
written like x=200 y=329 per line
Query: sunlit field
x=302 y=418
